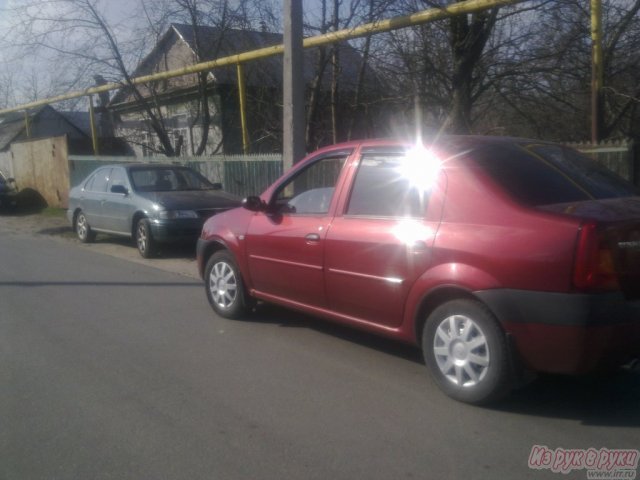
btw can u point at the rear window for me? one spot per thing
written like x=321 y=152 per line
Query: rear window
x=537 y=175
x=167 y=179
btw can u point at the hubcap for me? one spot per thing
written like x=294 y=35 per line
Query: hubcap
x=81 y=227
x=142 y=238
x=223 y=285
x=461 y=351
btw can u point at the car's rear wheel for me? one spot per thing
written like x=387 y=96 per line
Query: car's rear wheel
x=144 y=239
x=83 y=229
x=466 y=352
x=225 y=288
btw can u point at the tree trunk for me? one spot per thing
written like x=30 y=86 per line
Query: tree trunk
x=335 y=74
x=468 y=39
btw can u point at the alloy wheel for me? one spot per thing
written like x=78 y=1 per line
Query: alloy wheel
x=141 y=238
x=223 y=285
x=461 y=351
x=82 y=227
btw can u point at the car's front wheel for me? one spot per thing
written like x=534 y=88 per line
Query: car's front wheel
x=466 y=352
x=83 y=229
x=225 y=288
x=144 y=240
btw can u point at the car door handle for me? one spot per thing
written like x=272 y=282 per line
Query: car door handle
x=312 y=237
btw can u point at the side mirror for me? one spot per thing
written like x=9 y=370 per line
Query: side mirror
x=119 y=189
x=217 y=186
x=11 y=180
x=254 y=204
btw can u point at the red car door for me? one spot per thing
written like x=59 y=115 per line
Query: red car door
x=285 y=245
x=382 y=243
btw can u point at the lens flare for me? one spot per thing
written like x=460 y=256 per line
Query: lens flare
x=421 y=166
x=412 y=232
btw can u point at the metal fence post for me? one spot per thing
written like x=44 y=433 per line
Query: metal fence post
x=92 y=123
x=242 y=93
x=293 y=147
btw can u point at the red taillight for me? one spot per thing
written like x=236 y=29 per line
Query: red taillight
x=594 y=268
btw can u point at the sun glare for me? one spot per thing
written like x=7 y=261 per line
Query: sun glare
x=412 y=232
x=421 y=167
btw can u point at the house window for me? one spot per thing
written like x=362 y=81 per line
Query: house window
x=148 y=149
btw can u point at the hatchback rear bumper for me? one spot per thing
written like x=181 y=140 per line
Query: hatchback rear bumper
x=568 y=333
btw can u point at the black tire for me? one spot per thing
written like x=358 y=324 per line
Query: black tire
x=467 y=353
x=225 y=288
x=83 y=229
x=144 y=239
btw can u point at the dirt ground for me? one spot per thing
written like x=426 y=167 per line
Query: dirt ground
x=37 y=223
x=50 y=222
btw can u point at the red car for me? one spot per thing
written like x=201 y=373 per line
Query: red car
x=498 y=256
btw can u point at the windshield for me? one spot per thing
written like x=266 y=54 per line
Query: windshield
x=537 y=175
x=168 y=179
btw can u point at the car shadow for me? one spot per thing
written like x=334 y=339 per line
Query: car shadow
x=64 y=231
x=178 y=250
x=605 y=400
x=273 y=314
x=611 y=399
x=168 y=251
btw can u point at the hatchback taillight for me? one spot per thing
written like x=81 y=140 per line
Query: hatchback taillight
x=594 y=268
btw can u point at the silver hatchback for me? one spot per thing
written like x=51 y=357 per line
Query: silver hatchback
x=152 y=203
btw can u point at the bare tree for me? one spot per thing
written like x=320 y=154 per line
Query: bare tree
x=336 y=93
x=77 y=32
x=209 y=23
x=548 y=94
x=7 y=95
x=446 y=65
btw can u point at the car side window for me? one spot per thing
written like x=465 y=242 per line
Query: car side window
x=99 y=181
x=118 y=177
x=381 y=189
x=311 y=190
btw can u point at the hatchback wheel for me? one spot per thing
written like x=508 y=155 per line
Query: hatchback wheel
x=466 y=352
x=83 y=229
x=144 y=240
x=225 y=288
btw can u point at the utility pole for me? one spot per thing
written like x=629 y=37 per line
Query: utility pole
x=293 y=148
x=597 y=73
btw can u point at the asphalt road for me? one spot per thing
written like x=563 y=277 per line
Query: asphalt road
x=114 y=369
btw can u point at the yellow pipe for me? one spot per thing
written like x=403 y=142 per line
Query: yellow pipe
x=242 y=93
x=425 y=16
x=92 y=123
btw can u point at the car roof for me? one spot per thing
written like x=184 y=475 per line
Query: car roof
x=150 y=166
x=466 y=140
x=156 y=166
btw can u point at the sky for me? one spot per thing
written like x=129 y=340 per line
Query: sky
x=34 y=76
